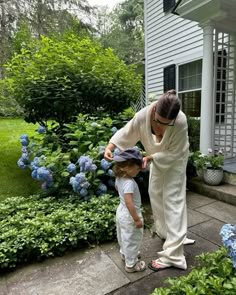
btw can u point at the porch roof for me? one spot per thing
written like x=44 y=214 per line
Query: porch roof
x=221 y=13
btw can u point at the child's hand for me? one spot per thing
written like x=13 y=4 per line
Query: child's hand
x=138 y=223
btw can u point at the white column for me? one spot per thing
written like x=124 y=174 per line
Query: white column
x=206 y=124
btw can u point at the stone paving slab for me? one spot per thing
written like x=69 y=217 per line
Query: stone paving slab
x=209 y=230
x=195 y=217
x=89 y=272
x=221 y=211
x=146 y=285
x=100 y=271
x=195 y=200
x=224 y=192
x=3 y=287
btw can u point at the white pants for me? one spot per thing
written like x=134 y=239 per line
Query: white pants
x=129 y=237
x=167 y=193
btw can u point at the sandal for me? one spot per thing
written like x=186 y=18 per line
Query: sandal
x=139 y=266
x=159 y=265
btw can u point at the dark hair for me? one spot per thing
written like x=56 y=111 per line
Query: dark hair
x=168 y=105
x=120 y=168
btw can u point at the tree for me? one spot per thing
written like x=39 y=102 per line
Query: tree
x=123 y=30
x=41 y=17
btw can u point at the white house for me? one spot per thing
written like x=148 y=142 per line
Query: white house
x=190 y=46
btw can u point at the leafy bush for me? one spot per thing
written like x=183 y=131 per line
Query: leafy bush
x=36 y=228
x=194 y=133
x=214 y=274
x=212 y=160
x=57 y=79
x=8 y=107
x=75 y=160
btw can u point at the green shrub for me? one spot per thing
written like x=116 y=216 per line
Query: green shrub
x=214 y=274
x=57 y=79
x=57 y=150
x=194 y=133
x=36 y=228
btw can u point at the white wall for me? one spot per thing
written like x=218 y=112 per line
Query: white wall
x=169 y=39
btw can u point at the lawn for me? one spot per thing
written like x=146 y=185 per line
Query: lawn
x=14 y=181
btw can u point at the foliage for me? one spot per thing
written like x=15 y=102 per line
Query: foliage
x=194 y=133
x=123 y=30
x=8 y=108
x=42 y=17
x=13 y=180
x=212 y=160
x=73 y=159
x=59 y=79
x=214 y=274
x=228 y=234
x=36 y=228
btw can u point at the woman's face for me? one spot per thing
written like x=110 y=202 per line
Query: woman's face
x=160 y=123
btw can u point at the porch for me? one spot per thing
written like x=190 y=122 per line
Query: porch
x=218 y=90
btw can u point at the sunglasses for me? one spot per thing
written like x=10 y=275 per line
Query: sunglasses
x=172 y=123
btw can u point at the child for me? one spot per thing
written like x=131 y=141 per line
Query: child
x=129 y=219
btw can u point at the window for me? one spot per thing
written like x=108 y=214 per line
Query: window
x=190 y=80
x=168 y=5
x=169 y=77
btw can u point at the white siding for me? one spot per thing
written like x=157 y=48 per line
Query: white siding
x=168 y=38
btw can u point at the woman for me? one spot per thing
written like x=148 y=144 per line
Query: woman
x=162 y=129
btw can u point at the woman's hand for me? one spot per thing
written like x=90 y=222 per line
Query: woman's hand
x=108 y=152
x=145 y=161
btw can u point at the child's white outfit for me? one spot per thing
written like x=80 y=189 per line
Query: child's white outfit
x=129 y=237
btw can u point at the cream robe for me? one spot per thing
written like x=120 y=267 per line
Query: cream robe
x=167 y=182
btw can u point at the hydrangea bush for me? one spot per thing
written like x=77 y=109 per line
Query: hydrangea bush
x=75 y=161
x=228 y=234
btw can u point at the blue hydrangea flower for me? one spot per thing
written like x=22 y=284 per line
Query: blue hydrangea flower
x=84 y=162
x=24 y=149
x=24 y=142
x=43 y=174
x=21 y=164
x=228 y=234
x=110 y=172
x=99 y=192
x=25 y=156
x=114 y=130
x=41 y=129
x=116 y=151
x=111 y=183
x=71 y=168
x=101 y=149
x=93 y=168
x=102 y=187
x=34 y=174
x=94 y=124
x=24 y=136
x=80 y=177
x=85 y=185
x=83 y=192
x=105 y=164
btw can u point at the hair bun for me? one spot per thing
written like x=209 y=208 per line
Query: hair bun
x=172 y=91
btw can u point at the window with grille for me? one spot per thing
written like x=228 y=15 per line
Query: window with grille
x=190 y=83
x=168 y=5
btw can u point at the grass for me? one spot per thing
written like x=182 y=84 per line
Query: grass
x=14 y=181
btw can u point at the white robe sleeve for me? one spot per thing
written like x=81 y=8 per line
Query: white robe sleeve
x=127 y=136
